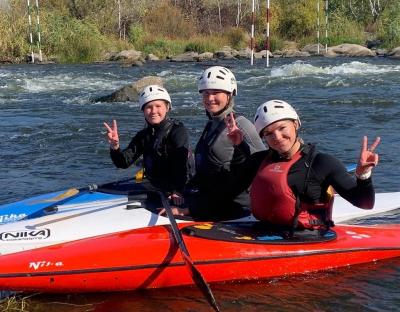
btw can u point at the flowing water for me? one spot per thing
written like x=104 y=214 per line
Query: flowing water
x=52 y=138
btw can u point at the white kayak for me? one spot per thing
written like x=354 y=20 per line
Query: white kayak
x=97 y=213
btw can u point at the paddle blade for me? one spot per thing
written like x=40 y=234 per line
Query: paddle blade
x=200 y=282
x=69 y=193
x=197 y=278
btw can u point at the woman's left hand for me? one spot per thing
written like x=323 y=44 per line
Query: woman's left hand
x=368 y=157
x=176 y=198
x=234 y=133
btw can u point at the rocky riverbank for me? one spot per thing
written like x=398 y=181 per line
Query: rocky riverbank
x=138 y=58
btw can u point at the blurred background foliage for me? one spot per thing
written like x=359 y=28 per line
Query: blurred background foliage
x=84 y=30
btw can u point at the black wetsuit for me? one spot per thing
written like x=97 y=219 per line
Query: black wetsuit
x=165 y=150
x=325 y=170
x=216 y=159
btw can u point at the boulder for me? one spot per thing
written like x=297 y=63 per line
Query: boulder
x=127 y=55
x=130 y=92
x=312 y=49
x=295 y=53
x=127 y=63
x=226 y=53
x=151 y=57
x=244 y=53
x=330 y=53
x=348 y=49
x=278 y=53
x=381 y=52
x=206 y=56
x=395 y=53
x=262 y=54
x=36 y=58
x=186 y=57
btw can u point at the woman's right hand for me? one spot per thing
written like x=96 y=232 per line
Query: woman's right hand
x=234 y=133
x=112 y=135
x=368 y=158
x=175 y=211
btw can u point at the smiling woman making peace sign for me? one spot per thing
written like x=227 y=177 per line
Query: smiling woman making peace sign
x=164 y=144
x=290 y=181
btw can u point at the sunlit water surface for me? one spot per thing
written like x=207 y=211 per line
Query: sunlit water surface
x=52 y=138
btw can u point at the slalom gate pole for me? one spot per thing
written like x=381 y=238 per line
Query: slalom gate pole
x=326 y=25
x=267 y=35
x=38 y=31
x=30 y=31
x=119 y=18
x=318 y=26
x=252 y=32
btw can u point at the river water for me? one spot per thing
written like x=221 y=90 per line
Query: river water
x=52 y=138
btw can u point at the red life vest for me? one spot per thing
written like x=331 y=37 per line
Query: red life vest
x=273 y=201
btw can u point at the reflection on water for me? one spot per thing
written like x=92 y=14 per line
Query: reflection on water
x=367 y=287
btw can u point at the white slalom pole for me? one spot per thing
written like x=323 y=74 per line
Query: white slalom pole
x=318 y=26
x=119 y=18
x=38 y=31
x=267 y=39
x=252 y=32
x=326 y=26
x=30 y=31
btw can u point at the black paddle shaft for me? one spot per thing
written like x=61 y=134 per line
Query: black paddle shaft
x=197 y=277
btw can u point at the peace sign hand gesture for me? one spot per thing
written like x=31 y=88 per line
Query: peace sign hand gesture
x=234 y=133
x=368 y=158
x=112 y=135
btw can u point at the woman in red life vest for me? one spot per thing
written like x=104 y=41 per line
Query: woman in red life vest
x=290 y=181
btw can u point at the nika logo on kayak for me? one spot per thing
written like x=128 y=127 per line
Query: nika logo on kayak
x=44 y=264
x=24 y=235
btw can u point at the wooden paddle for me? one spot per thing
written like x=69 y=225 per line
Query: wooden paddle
x=197 y=277
x=60 y=200
x=65 y=197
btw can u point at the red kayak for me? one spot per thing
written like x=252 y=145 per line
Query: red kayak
x=149 y=257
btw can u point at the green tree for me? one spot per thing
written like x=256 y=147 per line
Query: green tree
x=297 y=19
x=389 y=25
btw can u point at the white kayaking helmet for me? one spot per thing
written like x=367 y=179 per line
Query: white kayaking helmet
x=152 y=93
x=272 y=111
x=218 y=78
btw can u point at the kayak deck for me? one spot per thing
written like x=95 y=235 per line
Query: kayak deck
x=128 y=190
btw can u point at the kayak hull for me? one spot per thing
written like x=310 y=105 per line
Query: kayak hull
x=149 y=258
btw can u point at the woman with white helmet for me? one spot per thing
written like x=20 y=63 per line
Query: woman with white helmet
x=290 y=181
x=215 y=156
x=164 y=144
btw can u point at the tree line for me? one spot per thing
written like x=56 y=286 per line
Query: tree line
x=81 y=30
